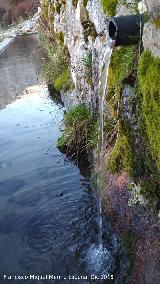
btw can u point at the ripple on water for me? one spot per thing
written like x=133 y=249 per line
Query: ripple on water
x=11 y=186
x=99 y=261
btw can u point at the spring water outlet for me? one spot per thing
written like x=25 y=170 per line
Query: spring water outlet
x=126 y=30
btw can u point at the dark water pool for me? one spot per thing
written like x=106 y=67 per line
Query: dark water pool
x=48 y=215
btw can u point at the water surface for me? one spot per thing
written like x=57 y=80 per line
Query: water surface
x=47 y=203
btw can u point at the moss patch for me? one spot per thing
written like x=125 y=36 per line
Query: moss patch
x=64 y=81
x=157 y=23
x=85 y=3
x=122 y=71
x=60 y=38
x=149 y=87
x=58 y=7
x=56 y=70
x=88 y=64
x=137 y=149
x=109 y=6
x=121 y=156
x=121 y=68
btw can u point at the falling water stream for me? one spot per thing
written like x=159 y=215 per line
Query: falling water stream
x=98 y=256
x=106 y=55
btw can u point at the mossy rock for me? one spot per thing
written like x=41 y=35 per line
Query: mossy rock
x=109 y=6
x=149 y=89
x=88 y=64
x=157 y=23
x=57 y=69
x=121 y=156
x=60 y=38
x=85 y=3
x=121 y=68
x=64 y=81
x=58 y=7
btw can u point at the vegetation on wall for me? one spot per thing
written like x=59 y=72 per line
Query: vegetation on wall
x=57 y=68
x=121 y=72
x=149 y=88
x=121 y=157
x=157 y=22
x=85 y=3
x=135 y=143
x=137 y=147
x=88 y=64
x=80 y=133
x=109 y=6
x=121 y=68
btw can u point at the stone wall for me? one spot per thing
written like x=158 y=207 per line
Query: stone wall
x=151 y=32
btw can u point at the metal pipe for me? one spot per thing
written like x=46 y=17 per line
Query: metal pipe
x=126 y=30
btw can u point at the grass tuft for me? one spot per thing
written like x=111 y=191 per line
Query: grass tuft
x=80 y=132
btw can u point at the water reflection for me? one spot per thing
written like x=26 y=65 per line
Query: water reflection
x=20 y=68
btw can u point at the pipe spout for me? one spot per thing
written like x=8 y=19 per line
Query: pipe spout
x=126 y=30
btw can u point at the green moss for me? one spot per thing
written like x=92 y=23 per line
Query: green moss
x=93 y=135
x=109 y=6
x=56 y=70
x=64 y=81
x=157 y=22
x=121 y=72
x=60 y=38
x=85 y=3
x=146 y=17
x=79 y=133
x=58 y=7
x=121 y=156
x=121 y=68
x=149 y=89
x=62 y=142
x=88 y=64
x=44 y=12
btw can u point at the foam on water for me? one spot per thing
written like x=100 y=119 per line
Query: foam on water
x=99 y=261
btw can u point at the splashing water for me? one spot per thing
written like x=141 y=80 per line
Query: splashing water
x=99 y=259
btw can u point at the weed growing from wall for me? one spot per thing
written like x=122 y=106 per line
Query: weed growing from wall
x=80 y=133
